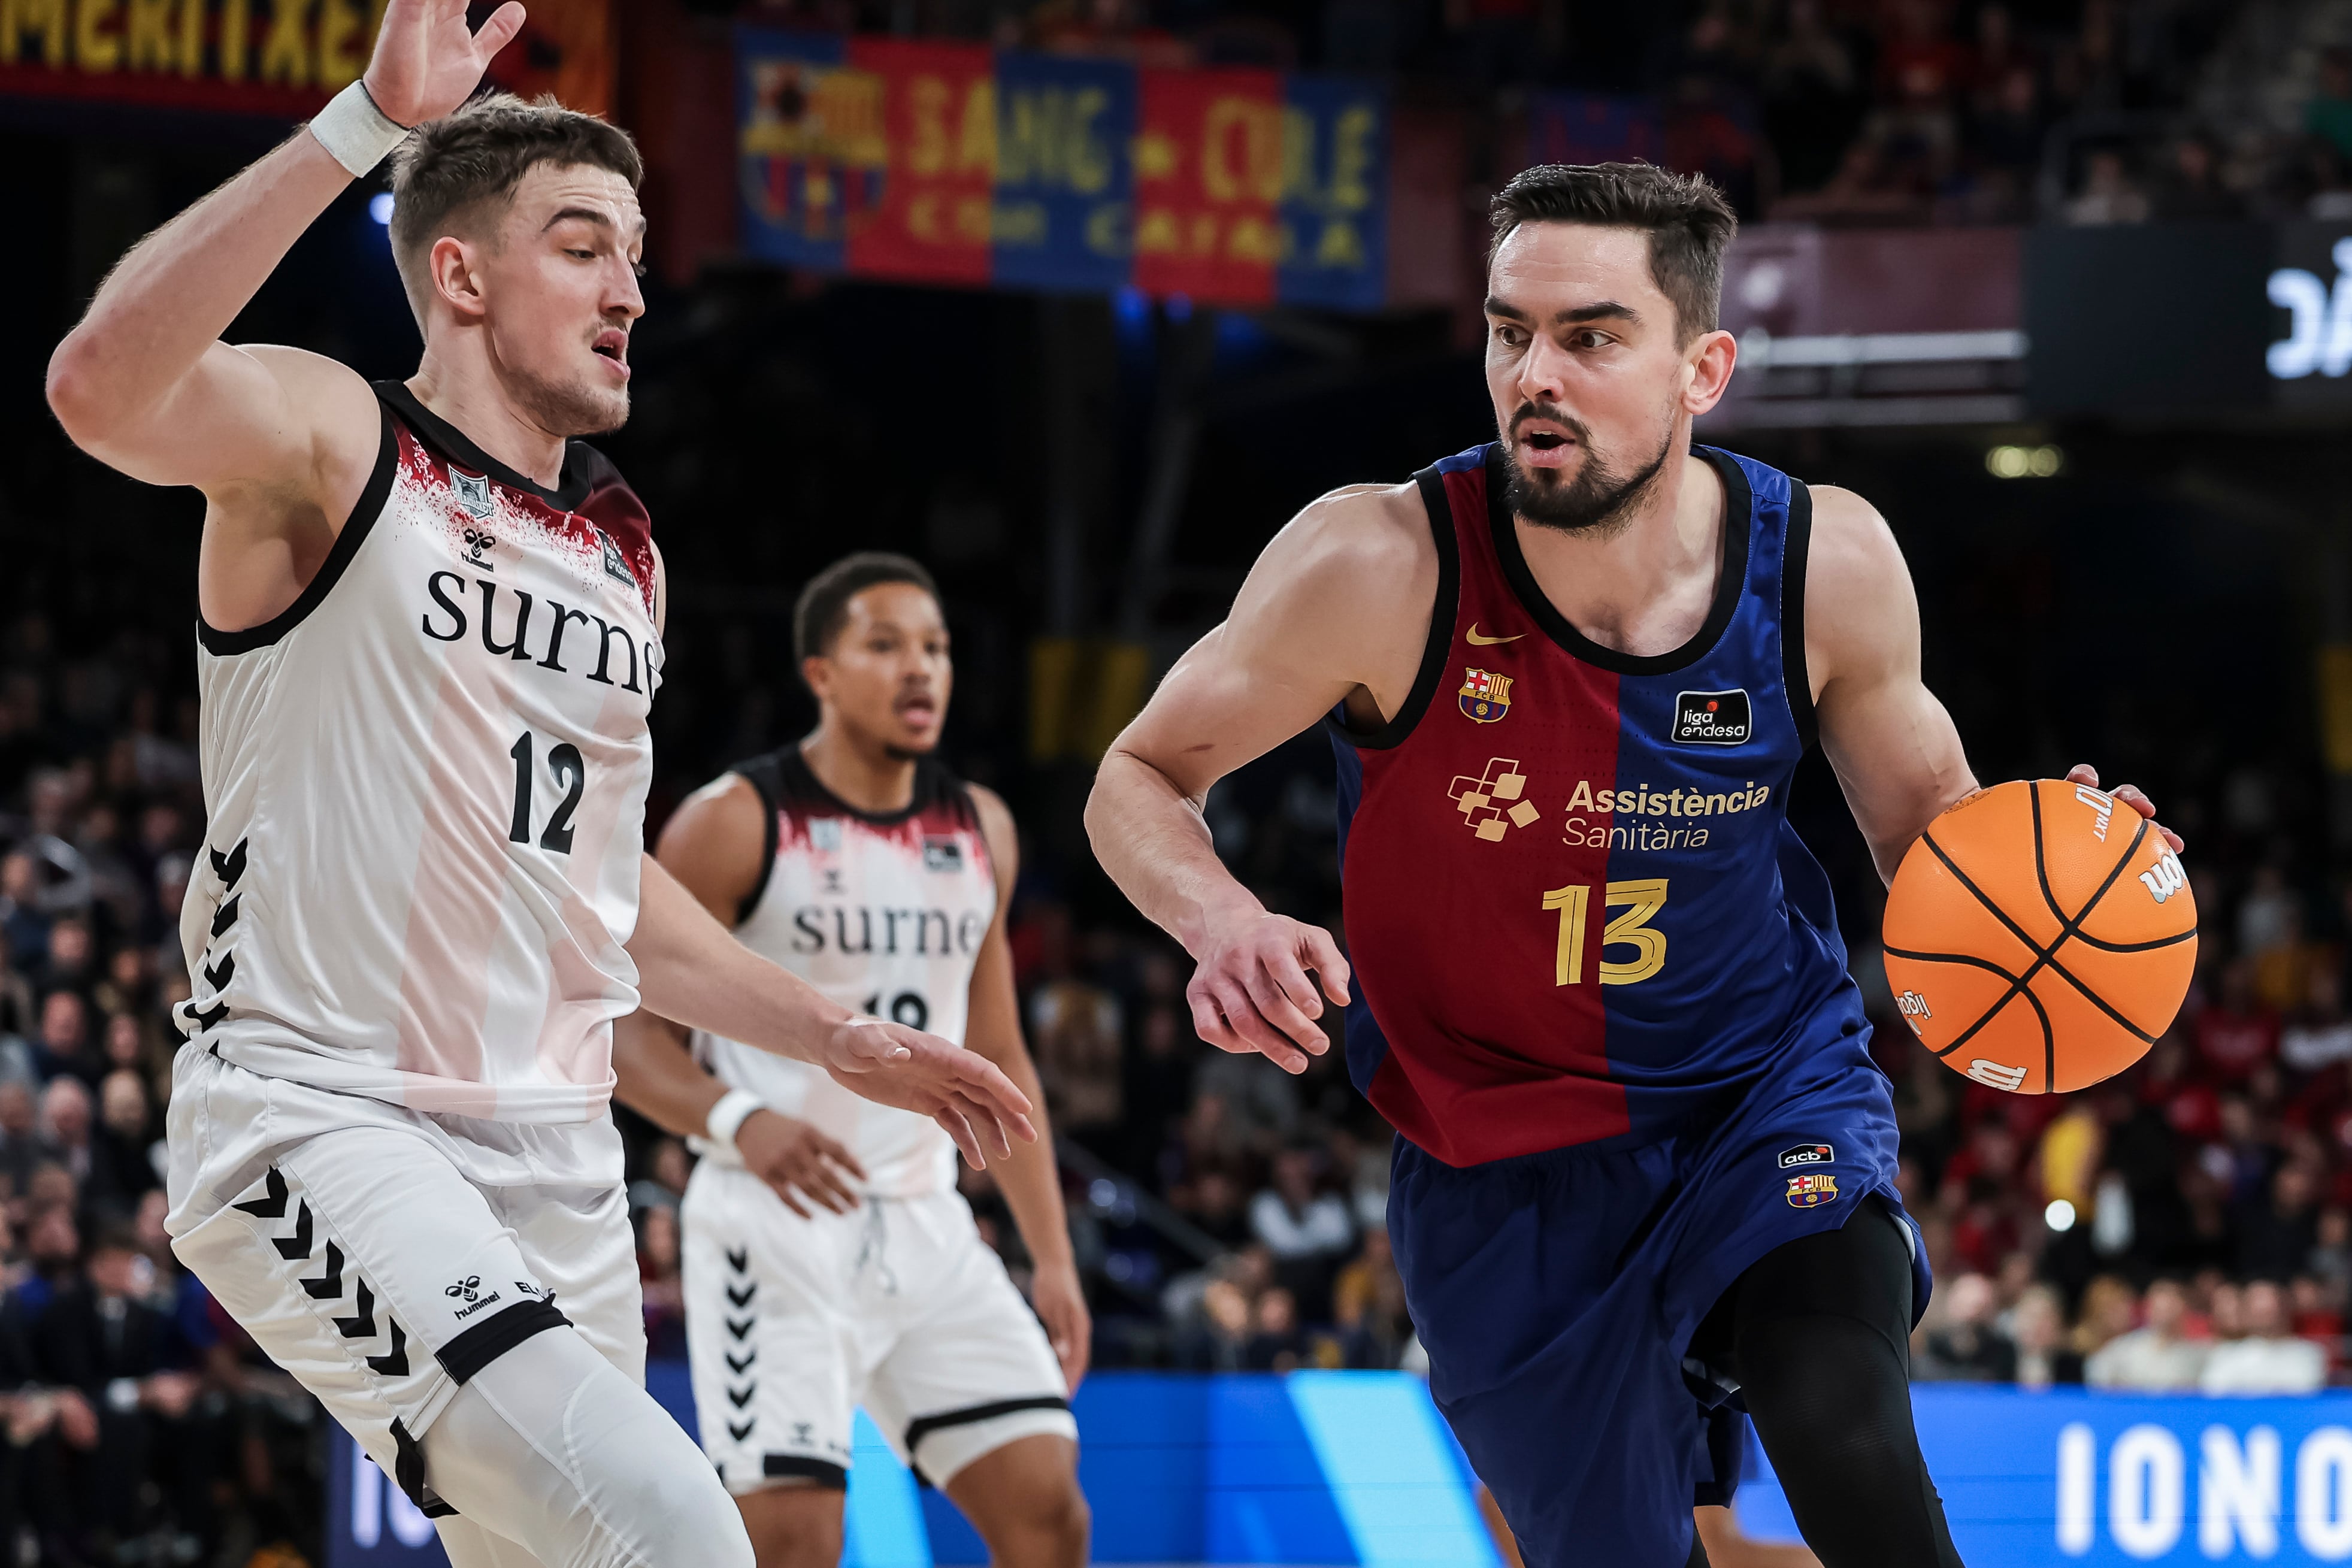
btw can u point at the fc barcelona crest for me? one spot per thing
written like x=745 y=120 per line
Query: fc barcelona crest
x=1485 y=696
x=1812 y=1187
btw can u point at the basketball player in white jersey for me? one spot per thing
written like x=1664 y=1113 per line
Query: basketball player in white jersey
x=429 y=634
x=829 y=1260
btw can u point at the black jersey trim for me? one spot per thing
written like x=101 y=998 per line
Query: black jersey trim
x=494 y=1335
x=355 y=530
x=923 y=1426
x=579 y=470
x=1796 y=545
x=828 y=1476
x=1739 y=526
x=1443 y=611
x=933 y=783
x=760 y=772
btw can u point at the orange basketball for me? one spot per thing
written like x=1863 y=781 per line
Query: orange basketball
x=2039 y=936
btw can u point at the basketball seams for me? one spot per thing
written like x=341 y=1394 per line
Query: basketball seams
x=2044 y=956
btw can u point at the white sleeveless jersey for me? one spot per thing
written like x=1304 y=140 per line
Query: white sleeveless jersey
x=426 y=784
x=884 y=914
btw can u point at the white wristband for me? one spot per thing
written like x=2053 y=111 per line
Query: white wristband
x=356 y=133
x=727 y=1117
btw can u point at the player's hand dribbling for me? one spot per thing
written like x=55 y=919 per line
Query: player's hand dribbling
x=798 y=1161
x=1250 y=990
x=2131 y=796
x=964 y=1091
x=427 y=61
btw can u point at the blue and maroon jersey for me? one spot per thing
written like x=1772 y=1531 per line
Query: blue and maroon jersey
x=1574 y=904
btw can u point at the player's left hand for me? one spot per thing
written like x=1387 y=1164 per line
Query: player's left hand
x=1061 y=1306
x=962 y=1091
x=2131 y=796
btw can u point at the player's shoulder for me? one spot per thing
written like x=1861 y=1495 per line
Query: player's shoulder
x=338 y=401
x=1852 y=547
x=1357 y=541
x=729 y=813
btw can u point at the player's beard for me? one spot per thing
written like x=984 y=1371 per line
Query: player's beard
x=567 y=408
x=1598 y=501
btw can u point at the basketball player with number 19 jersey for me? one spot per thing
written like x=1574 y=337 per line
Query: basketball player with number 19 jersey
x=830 y=1262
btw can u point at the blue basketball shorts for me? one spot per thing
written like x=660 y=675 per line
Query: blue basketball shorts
x=1555 y=1294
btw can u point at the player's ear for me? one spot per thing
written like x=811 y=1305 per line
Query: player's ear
x=450 y=264
x=1707 y=370
x=816 y=670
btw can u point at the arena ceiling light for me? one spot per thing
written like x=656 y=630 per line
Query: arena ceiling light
x=2024 y=462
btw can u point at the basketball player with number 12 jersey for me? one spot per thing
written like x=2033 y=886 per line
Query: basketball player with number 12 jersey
x=829 y=1260
x=429 y=636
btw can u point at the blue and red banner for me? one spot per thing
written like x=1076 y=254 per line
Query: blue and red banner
x=958 y=164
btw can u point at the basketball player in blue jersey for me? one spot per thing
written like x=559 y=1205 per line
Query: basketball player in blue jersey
x=1645 y=1177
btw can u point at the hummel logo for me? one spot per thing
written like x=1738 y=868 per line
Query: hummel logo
x=1477 y=641
x=470 y=1287
x=477 y=541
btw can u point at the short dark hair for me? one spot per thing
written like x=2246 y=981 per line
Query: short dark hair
x=824 y=607
x=1689 y=221
x=480 y=154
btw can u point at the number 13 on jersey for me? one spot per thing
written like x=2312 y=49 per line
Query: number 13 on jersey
x=1639 y=900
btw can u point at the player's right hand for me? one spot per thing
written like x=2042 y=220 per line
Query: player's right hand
x=427 y=61
x=798 y=1161
x=1250 y=990
x=962 y=1091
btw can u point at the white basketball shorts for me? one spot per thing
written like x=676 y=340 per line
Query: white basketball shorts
x=899 y=1305
x=381 y=1255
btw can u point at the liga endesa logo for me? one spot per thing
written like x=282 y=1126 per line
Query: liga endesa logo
x=1711 y=718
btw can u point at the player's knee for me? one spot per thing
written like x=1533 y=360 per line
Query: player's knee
x=795 y=1526
x=1045 y=1524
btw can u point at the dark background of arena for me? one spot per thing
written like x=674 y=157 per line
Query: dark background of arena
x=2157 y=606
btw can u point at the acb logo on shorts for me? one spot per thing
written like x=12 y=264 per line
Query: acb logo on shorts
x=1810 y=1188
x=1806 y=1154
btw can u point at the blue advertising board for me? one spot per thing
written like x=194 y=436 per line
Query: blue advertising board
x=1357 y=1467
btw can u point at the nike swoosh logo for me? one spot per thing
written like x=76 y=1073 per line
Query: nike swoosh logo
x=1477 y=641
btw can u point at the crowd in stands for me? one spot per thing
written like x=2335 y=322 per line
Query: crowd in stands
x=1837 y=111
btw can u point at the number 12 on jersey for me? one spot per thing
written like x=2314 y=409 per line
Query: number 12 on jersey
x=1641 y=899
x=564 y=761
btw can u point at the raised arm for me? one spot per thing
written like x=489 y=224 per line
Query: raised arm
x=280 y=440
x=691 y=971
x=1336 y=610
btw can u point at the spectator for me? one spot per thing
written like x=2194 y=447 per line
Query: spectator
x=23 y=1147
x=1307 y=1231
x=659 y=1277
x=126 y=1144
x=66 y=1120
x=1275 y=1342
x=104 y=1341
x=2320 y=1034
x=2275 y=1239
x=2194 y=192
x=1966 y=1347
x=2327 y=117
x=2109 y=195
x=2156 y=1357
x=2267 y=1359
x=2237 y=1034
x=2039 y=1335
x=64 y=1045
